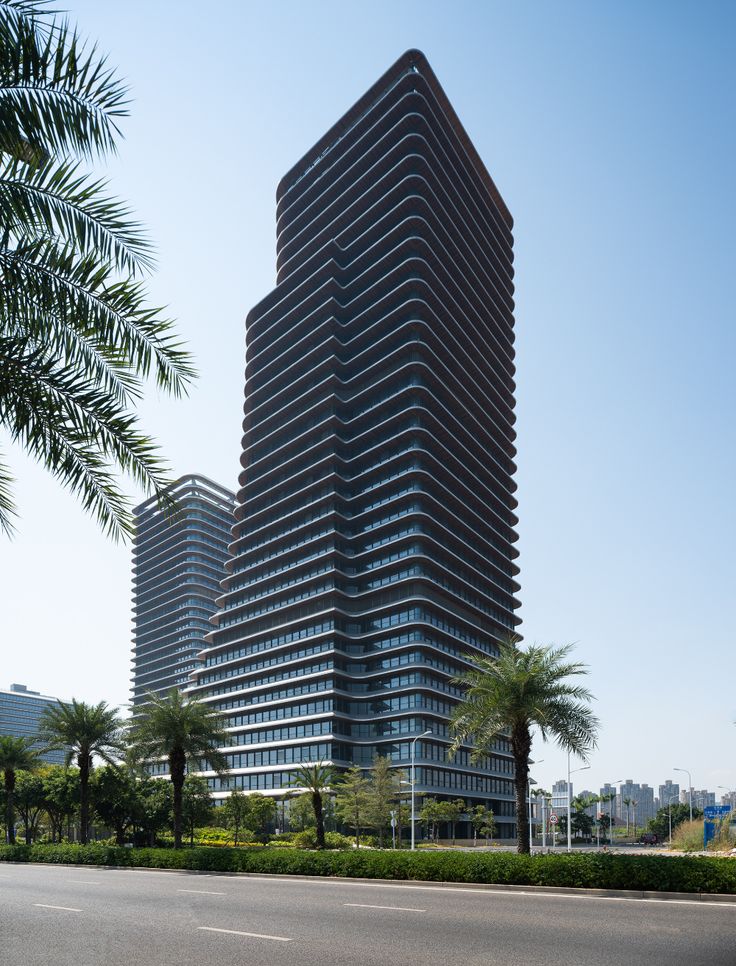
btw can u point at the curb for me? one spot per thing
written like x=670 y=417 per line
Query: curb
x=634 y=894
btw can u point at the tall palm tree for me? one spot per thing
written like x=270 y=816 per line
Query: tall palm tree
x=516 y=692
x=16 y=754
x=316 y=779
x=83 y=731
x=183 y=731
x=77 y=337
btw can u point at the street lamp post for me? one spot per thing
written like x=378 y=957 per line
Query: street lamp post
x=529 y=783
x=689 y=789
x=569 y=802
x=610 y=809
x=413 y=783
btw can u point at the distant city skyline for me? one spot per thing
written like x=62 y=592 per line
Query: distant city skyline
x=617 y=164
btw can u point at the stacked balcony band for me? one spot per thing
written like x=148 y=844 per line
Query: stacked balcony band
x=375 y=538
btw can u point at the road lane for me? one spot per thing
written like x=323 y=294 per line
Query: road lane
x=165 y=919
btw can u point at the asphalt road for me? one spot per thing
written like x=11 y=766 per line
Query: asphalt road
x=62 y=916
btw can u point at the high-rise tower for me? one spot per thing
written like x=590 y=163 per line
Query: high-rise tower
x=178 y=563
x=374 y=544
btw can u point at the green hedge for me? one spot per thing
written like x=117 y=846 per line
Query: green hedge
x=586 y=870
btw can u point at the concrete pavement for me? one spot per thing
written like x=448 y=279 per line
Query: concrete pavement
x=71 y=916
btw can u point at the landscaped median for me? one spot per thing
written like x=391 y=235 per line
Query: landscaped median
x=650 y=873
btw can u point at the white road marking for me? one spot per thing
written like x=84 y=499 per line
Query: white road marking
x=202 y=892
x=43 y=905
x=252 y=935
x=449 y=889
x=364 y=905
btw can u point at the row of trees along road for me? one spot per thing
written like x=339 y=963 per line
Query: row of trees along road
x=506 y=697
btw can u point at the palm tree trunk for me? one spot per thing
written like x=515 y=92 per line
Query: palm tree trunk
x=319 y=818
x=521 y=746
x=177 y=770
x=84 y=768
x=9 y=809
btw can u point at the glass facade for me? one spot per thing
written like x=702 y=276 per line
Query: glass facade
x=373 y=553
x=20 y=712
x=178 y=563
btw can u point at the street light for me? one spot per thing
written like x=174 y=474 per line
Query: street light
x=413 y=782
x=529 y=783
x=689 y=788
x=618 y=781
x=569 y=803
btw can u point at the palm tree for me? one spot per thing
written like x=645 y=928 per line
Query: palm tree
x=77 y=337
x=509 y=696
x=16 y=754
x=316 y=779
x=83 y=731
x=183 y=731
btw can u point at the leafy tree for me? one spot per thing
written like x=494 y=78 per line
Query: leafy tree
x=451 y=812
x=383 y=793
x=581 y=824
x=116 y=798
x=16 y=754
x=514 y=693
x=235 y=811
x=261 y=813
x=403 y=820
x=483 y=822
x=156 y=801
x=196 y=805
x=77 y=337
x=183 y=731
x=431 y=814
x=316 y=780
x=83 y=730
x=301 y=812
x=60 y=797
x=29 y=802
x=353 y=800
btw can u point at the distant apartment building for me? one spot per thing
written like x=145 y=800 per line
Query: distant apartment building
x=729 y=799
x=701 y=798
x=669 y=793
x=178 y=562
x=20 y=712
x=635 y=801
x=559 y=795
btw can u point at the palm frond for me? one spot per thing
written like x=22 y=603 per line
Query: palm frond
x=57 y=199
x=7 y=504
x=77 y=336
x=57 y=95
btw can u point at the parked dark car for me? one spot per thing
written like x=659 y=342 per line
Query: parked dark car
x=649 y=838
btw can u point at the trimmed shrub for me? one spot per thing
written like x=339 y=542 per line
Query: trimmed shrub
x=306 y=839
x=585 y=870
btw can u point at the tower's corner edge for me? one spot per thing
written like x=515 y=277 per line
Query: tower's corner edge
x=410 y=58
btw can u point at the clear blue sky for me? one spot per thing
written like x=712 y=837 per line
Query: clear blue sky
x=610 y=130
